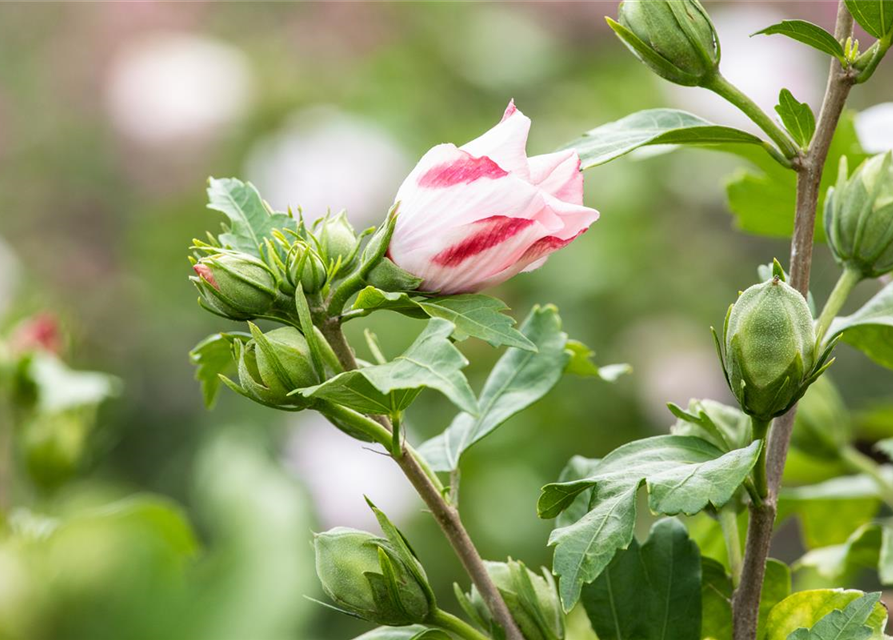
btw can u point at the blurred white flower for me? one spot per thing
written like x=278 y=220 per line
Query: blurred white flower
x=339 y=471
x=166 y=87
x=9 y=276
x=760 y=66
x=874 y=126
x=325 y=159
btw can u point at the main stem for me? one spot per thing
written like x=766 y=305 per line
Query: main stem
x=746 y=599
x=444 y=513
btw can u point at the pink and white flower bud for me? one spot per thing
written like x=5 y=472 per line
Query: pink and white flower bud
x=472 y=217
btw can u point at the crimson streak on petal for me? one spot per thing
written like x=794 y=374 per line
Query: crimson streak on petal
x=463 y=171
x=492 y=232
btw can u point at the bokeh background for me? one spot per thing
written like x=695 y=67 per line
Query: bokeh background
x=112 y=116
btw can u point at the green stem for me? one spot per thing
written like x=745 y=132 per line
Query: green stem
x=728 y=520
x=760 y=429
x=449 y=622
x=858 y=462
x=842 y=290
x=357 y=421
x=725 y=89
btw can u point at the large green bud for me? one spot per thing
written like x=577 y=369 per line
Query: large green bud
x=368 y=577
x=338 y=240
x=859 y=216
x=769 y=350
x=675 y=38
x=273 y=364
x=235 y=285
x=531 y=599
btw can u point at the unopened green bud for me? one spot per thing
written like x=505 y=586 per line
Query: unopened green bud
x=531 y=599
x=364 y=575
x=675 y=38
x=769 y=348
x=337 y=239
x=305 y=266
x=54 y=445
x=235 y=285
x=859 y=216
x=276 y=363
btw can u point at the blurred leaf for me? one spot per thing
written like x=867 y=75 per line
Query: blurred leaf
x=415 y=632
x=473 y=314
x=797 y=118
x=650 y=127
x=60 y=388
x=828 y=614
x=213 y=357
x=650 y=589
x=518 y=379
x=682 y=475
x=807 y=33
x=868 y=547
x=430 y=362
x=581 y=364
x=870 y=329
x=763 y=201
x=716 y=596
x=251 y=219
x=875 y=16
x=829 y=511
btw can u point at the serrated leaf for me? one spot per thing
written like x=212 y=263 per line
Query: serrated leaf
x=519 y=379
x=875 y=16
x=213 y=357
x=763 y=197
x=650 y=127
x=473 y=314
x=809 y=34
x=716 y=596
x=250 y=219
x=870 y=329
x=833 y=611
x=430 y=362
x=682 y=475
x=796 y=117
x=649 y=592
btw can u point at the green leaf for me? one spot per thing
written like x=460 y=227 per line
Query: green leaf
x=763 y=197
x=251 y=221
x=650 y=127
x=60 y=388
x=581 y=364
x=214 y=357
x=830 y=510
x=473 y=314
x=819 y=610
x=807 y=33
x=796 y=117
x=430 y=362
x=682 y=475
x=649 y=592
x=875 y=16
x=716 y=597
x=868 y=547
x=870 y=329
x=519 y=379
x=414 y=632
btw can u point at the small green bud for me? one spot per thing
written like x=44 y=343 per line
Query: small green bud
x=769 y=349
x=366 y=576
x=305 y=266
x=235 y=285
x=55 y=445
x=531 y=599
x=859 y=216
x=337 y=239
x=276 y=363
x=675 y=38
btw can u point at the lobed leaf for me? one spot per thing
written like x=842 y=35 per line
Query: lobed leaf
x=827 y=614
x=214 y=357
x=251 y=221
x=870 y=329
x=809 y=34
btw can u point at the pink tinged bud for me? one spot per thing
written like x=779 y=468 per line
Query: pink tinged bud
x=37 y=333
x=205 y=274
x=473 y=217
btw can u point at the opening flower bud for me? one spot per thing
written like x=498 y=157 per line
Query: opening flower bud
x=531 y=599
x=337 y=239
x=276 y=363
x=675 y=38
x=305 y=266
x=235 y=285
x=770 y=349
x=859 y=216
x=366 y=576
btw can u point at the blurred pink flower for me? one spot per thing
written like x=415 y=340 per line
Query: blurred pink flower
x=474 y=216
x=37 y=333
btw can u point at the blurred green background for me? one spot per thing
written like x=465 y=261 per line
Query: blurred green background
x=113 y=115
